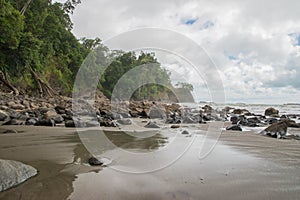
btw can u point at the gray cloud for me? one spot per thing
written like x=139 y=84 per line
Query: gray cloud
x=249 y=41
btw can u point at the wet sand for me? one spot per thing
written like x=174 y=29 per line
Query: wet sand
x=243 y=165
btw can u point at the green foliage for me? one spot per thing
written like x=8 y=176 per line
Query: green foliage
x=148 y=70
x=39 y=45
x=186 y=86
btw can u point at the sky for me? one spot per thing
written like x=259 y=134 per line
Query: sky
x=254 y=45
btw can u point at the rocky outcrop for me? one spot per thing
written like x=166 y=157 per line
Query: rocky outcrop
x=13 y=173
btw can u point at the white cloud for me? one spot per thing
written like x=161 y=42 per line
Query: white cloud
x=249 y=41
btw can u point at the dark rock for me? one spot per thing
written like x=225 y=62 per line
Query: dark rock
x=151 y=125
x=143 y=114
x=234 y=128
x=58 y=119
x=9 y=131
x=13 y=114
x=17 y=106
x=60 y=110
x=3 y=116
x=175 y=126
x=271 y=112
x=185 y=132
x=124 y=121
x=271 y=120
x=234 y=119
x=30 y=121
x=45 y=122
x=107 y=123
x=70 y=124
x=12 y=122
x=95 y=162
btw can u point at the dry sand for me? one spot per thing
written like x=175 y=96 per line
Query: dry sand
x=243 y=165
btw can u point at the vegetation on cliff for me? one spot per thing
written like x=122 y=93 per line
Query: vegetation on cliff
x=39 y=55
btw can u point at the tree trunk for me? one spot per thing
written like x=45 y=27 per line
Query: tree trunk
x=4 y=80
x=23 y=10
x=44 y=87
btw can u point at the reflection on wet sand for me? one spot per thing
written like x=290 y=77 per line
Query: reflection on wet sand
x=126 y=141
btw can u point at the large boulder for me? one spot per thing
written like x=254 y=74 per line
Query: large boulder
x=271 y=112
x=277 y=130
x=156 y=112
x=13 y=173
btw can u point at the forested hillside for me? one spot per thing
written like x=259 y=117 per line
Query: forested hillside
x=39 y=55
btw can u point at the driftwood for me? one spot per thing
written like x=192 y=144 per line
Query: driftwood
x=43 y=87
x=5 y=81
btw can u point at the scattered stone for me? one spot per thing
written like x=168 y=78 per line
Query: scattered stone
x=17 y=106
x=13 y=173
x=157 y=113
x=9 y=131
x=175 y=126
x=31 y=121
x=271 y=112
x=95 y=162
x=70 y=124
x=12 y=122
x=151 y=125
x=234 y=128
x=185 y=132
x=124 y=121
x=3 y=116
x=45 y=122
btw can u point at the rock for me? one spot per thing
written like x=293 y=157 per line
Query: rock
x=92 y=124
x=17 y=106
x=239 y=111
x=9 y=131
x=234 y=119
x=60 y=110
x=124 y=121
x=156 y=112
x=3 y=116
x=185 y=132
x=45 y=122
x=175 y=126
x=30 y=121
x=107 y=123
x=70 y=124
x=94 y=161
x=271 y=112
x=12 y=122
x=13 y=173
x=234 y=128
x=143 y=114
x=151 y=125
x=277 y=130
x=271 y=120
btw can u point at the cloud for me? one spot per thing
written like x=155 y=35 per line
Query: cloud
x=255 y=44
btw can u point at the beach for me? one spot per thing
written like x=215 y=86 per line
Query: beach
x=242 y=165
